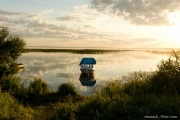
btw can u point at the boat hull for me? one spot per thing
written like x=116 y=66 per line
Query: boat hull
x=87 y=70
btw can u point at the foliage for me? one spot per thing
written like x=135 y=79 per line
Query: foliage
x=11 y=109
x=38 y=87
x=11 y=84
x=136 y=88
x=11 y=48
x=112 y=89
x=156 y=95
x=65 y=111
x=167 y=79
x=67 y=89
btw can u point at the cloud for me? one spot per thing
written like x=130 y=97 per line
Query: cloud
x=66 y=18
x=148 y=12
x=10 y=13
x=79 y=24
x=46 y=11
x=33 y=24
x=36 y=25
x=84 y=27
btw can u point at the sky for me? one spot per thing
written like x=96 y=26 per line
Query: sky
x=94 y=23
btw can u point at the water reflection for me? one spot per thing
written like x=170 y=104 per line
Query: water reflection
x=67 y=75
x=58 y=68
x=87 y=79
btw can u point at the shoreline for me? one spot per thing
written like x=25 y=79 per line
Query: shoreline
x=99 y=50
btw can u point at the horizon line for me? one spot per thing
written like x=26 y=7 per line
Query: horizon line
x=40 y=47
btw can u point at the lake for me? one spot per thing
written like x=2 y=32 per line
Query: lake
x=61 y=67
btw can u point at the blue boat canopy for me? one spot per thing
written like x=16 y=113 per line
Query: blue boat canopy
x=88 y=61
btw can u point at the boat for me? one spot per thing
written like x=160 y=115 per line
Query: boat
x=87 y=65
x=20 y=67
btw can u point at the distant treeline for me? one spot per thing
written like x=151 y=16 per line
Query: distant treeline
x=98 y=51
x=75 y=51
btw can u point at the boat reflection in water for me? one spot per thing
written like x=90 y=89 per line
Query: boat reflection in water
x=20 y=67
x=87 y=79
x=87 y=76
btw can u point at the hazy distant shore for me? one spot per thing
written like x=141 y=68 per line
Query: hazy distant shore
x=75 y=51
x=99 y=50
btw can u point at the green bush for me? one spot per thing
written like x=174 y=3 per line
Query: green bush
x=136 y=88
x=112 y=89
x=65 y=112
x=67 y=89
x=139 y=107
x=11 y=109
x=38 y=87
x=167 y=78
x=11 y=84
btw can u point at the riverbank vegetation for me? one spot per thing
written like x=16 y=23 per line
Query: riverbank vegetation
x=145 y=96
x=74 y=51
x=96 y=51
x=155 y=95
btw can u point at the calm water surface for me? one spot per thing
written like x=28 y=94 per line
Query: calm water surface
x=58 y=68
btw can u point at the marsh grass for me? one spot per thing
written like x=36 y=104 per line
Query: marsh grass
x=11 y=109
x=75 y=51
x=97 y=51
x=156 y=94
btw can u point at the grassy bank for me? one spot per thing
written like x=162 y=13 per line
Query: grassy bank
x=97 y=51
x=146 y=96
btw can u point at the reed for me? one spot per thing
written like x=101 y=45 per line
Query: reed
x=156 y=95
x=75 y=51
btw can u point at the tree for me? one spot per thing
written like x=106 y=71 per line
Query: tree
x=11 y=47
x=67 y=89
x=167 y=78
x=38 y=87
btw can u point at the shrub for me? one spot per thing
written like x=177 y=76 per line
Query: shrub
x=11 y=109
x=66 y=111
x=67 y=89
x=38 y=87
x=136 y=88
x=112 y=89
x=11 y=84
x=167 y=78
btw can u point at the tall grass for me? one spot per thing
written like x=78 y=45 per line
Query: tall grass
x=154 y=95
x=11 y=109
